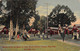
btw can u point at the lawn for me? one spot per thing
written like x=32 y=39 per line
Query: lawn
x=37 y=45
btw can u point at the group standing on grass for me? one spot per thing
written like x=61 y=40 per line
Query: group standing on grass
x=65 y=30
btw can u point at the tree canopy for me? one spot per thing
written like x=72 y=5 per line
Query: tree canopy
x=19 y=9
x=42 y=23
x=61 y=15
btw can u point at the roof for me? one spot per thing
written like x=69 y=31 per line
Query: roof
x=2 y=26
x=53 y=27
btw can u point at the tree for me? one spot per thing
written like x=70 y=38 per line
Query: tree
x=42 y=23
x=24 y=8
x=19 y=11
x=37 y=18
x=4 y=12
x=61 y=15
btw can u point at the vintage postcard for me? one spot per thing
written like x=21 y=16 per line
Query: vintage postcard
x=39 y=25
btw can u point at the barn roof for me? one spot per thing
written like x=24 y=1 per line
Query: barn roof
x=2 y=26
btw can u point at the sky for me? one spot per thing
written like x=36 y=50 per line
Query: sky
x=74 y=5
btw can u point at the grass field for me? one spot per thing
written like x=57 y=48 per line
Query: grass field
x=38 y=45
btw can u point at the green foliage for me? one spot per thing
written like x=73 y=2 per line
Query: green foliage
x=67 y=14
x=21 y=10
x=42 y=23
x=37 y=18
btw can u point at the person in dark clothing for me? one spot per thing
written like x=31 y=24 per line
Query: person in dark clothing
x=62 y=34
x=66 y=30
x=24 y=37
x=14 y=33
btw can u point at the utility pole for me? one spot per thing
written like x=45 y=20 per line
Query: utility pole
x=47 y=18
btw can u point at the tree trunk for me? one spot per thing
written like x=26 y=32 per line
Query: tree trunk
x=11 y=29
x=17 y=28
x=23 y=28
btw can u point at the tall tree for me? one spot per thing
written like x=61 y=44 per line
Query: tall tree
x=37 y=18
x=19 y=11
x=61 y=15
x=42 y=23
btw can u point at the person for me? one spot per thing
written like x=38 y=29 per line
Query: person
x=79 y=34
x=38 y=32
x=75 y=32
x=28 y=36
x=51 y=32
x=14 y=33
x=62 y=33
x=66 y=30
x=59 y=29
x=9 y=36
x=18 y=37
x=25 y=35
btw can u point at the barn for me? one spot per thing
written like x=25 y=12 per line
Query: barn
x=33 y=31
x=3 y=30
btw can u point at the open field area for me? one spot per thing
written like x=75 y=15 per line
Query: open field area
x=37 y=45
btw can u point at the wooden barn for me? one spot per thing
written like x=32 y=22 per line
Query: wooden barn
x=3 y=30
